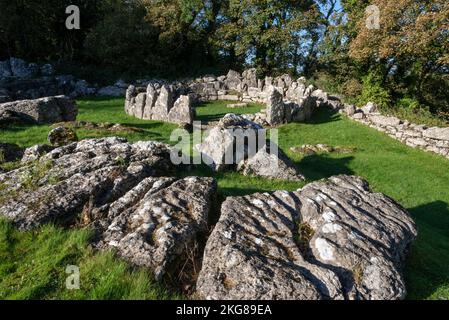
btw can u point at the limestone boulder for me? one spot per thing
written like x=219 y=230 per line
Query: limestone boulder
x=158 y=220
x=333 y=239
x=370 y=107
x=384 y=121
x=272 y=163
x=163 y=104
x=275 y=107
x=21 y=69
x=182 y=111
x=82 y=178
x=219 y=149
x=61 y=136
x=44 y=110
x=437 y=133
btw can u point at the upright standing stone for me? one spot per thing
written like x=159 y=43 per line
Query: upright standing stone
x=182 y=111
x=150 y=102
x=140 y=105
x=130 y=99
x=275 y=107
x=164 y=104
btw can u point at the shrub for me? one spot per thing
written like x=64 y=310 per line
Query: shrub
x=373 y=90
x=352 y=88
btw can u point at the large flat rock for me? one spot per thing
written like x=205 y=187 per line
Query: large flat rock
x=159 y=220
x=44 y=110
x=333 y=239
x=86 y=175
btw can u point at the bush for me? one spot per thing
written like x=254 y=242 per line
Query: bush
x=352 y=88
x=373 y=90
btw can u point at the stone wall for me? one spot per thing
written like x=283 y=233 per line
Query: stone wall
x=21 y=80
x=287 y=100
x=431 y=139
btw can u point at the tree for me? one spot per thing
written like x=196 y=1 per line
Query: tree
x=412 y=45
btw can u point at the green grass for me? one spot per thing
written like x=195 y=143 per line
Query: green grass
x=210 y=112
x=98 y=110
x=33 y=266
x=417 y=180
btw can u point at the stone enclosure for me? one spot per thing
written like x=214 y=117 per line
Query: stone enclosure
x=286 y=100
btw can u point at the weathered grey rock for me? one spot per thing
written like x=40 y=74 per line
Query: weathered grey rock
x=82 y=88
x=233 y=80
x=304 y=110
x=10 y=117
x=437 y=133
x=163 y=104
x=334 y=103
x=159 y=219
x=151 y=99
x=44 y=110
x=384 y=121
x=83 y=177
x=139 y=106
x=182 y=111
x=35 y=152
x=250 y=77
x=359 y=115
x=370 y=107
x=333 y=239
x=130 y=96
x=219 y=149
x=61 y=136
x=275 y=107
x=349 y=110
x=271 y=164
x=320 y=95
x=112 y=91
x=21 y=69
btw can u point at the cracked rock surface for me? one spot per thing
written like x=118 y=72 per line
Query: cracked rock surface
x=333 y=239
x=163 y=220
x=67 y=180
x=123 y=190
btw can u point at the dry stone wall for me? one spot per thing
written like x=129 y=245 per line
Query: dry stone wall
x=431 y=139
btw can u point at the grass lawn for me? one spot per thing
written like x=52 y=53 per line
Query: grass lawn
x=418 y=180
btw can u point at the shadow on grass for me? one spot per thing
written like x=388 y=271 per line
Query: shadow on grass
x=427 y=268
x=324 y=115
x=316 y=167
x=210 y=117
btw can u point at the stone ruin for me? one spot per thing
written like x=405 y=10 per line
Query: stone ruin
x=287 y=100
x=159 y=102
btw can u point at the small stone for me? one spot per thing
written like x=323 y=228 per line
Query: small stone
x=62 y=136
